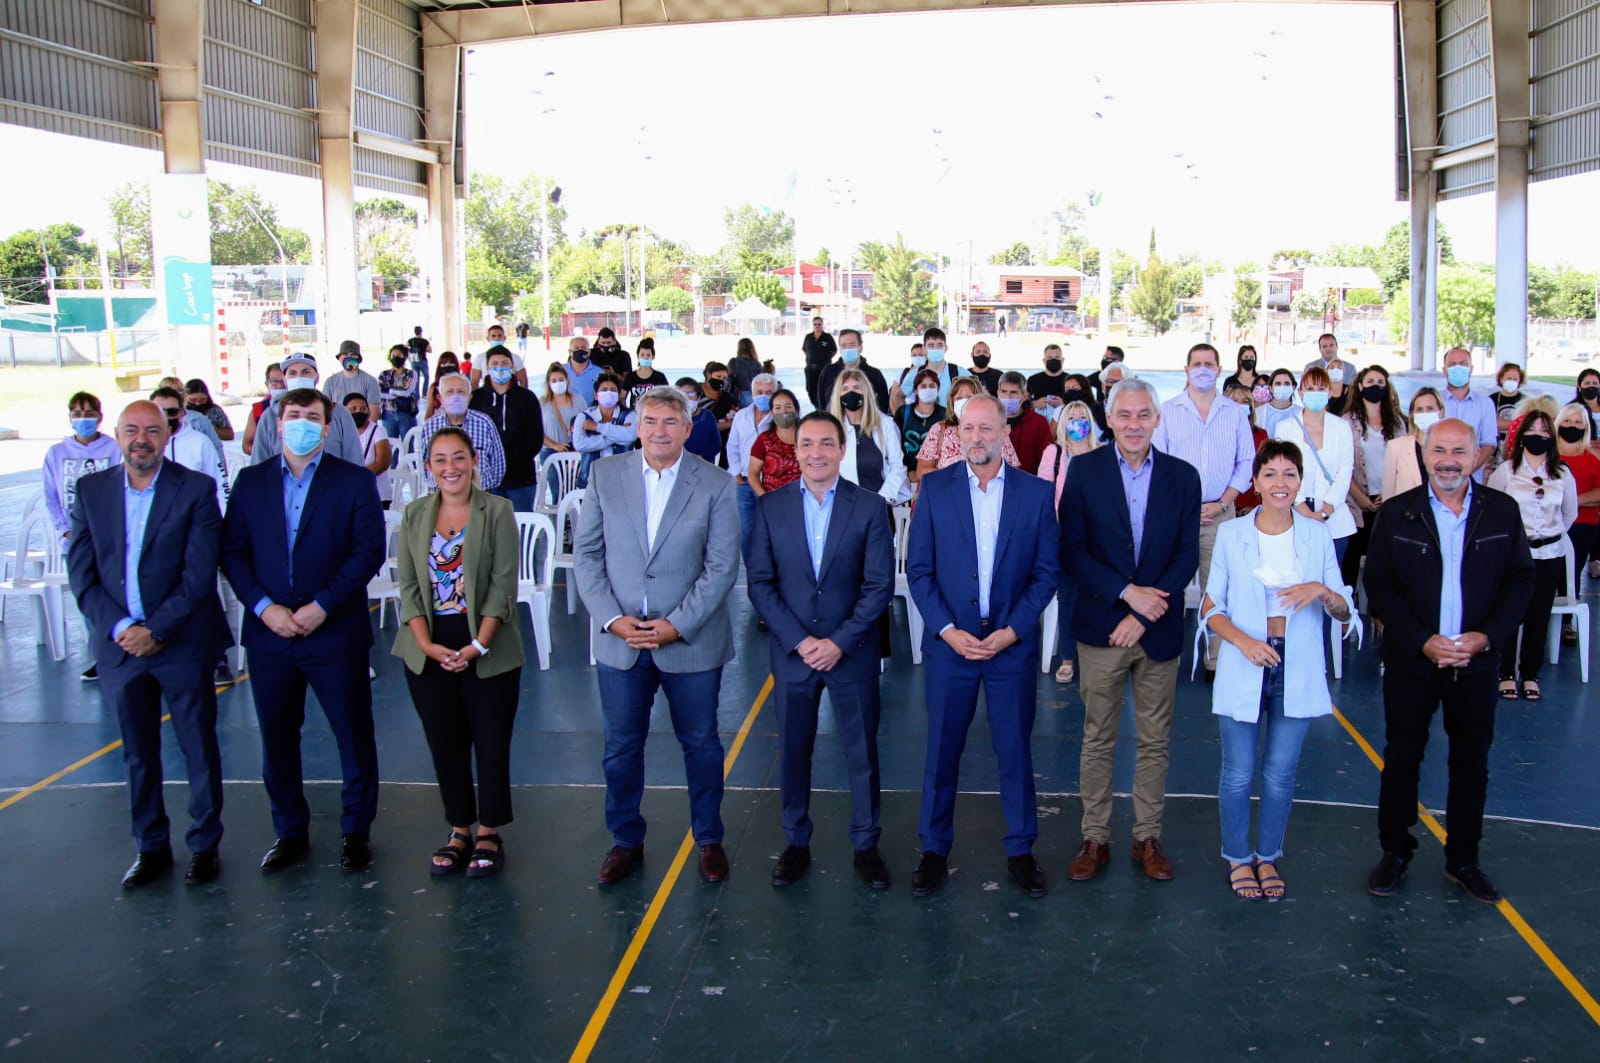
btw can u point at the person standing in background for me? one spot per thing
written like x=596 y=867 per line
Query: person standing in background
x=819 y=349
x=83 y=452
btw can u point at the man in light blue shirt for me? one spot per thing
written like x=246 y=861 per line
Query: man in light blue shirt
x=1464 y=404
x=818 y=511
x=136 y=503
x=582 y=374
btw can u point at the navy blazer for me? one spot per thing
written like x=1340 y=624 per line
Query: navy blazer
x=849 y=597
x=177 y=567
x=339 y=548
x=942 y=562
x=1097 y=546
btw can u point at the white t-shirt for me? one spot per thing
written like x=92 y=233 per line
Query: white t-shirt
x=370 y=438
x=1277 y=557
x=194 y=451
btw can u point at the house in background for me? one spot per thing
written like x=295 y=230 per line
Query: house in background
x=840 y=295
x=1037 y=298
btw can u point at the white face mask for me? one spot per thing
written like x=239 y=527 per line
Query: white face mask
x=558 y=387
x=1425 y=419
x=959 y=405
x=928 y=395
x=1510 y=386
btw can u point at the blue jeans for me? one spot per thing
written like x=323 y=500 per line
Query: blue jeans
x=397 y=425
x=1066 y=597
x=625 y=700
x=421 y=369
x=1284 y=736
x=521 y=498
x=745 y=496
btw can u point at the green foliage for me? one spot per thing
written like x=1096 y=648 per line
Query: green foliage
x=1246 y=295
x=759 y=240
x=763 y=286
x=386 y=239
x=1071 y=240
x=1394 y=256
x=905 y=301
x=1155 y=298
x=129 y=208
x=1311 y=304
x=504 y=220
x=822 y=257
x=1089 y=306
x=1018 y=254
x=1560 y=293
x=1188 y=279
x=488 y=282
x=870 y=254
x=670 y=298
x=1466 y=308
x=1348 y=255
x=1292 y=257
x=243 y=224
x=23 y=254
x=530 y=308
x=1363 y=297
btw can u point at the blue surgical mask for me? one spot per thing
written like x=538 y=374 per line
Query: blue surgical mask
x=300 y=383
x=763 y=402
x=1013 y=405
x=500 y=374
x=1282 y=392
x=274 y=394
x=1315 y=401
x=935 y=354
x=849 y=354
x=918 y=361
x=1459 y=376
x=1077 y=429
x=301 y=436
x=85 y=427
x=646 y=363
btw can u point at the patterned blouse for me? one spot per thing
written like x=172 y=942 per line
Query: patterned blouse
x=943 y=445
x=449 y=578
x=779 y=466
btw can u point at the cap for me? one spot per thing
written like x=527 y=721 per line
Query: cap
x=349 y=347
x=299 y=358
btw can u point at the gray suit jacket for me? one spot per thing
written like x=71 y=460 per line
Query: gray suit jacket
x=688 y=575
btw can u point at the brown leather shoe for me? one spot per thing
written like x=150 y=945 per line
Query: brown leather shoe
x=1151 y=860
x=1092 y=857
x=713 y=864
x=620 y=863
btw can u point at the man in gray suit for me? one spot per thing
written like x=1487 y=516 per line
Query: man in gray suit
x=656 y=554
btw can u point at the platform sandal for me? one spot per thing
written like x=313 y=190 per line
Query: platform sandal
x=1242 y=880
x=487 y=862
x=1271 y=883
x=1531 y=691
x=457 y=857
x=1508 y=690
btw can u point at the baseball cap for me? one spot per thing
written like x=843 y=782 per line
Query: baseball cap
x=300 y=358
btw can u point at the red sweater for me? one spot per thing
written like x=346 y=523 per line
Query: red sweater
x=1030 y=434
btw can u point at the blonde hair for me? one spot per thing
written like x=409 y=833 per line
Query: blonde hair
x=1544 y=403
x=870 y=418
x=1069 y=412
x=967 y=383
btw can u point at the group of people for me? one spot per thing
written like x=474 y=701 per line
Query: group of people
x=1086 y=489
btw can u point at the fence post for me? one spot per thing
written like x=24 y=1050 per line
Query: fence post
x=58 y=350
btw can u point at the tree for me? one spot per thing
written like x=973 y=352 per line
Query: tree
x=1561 y=293
x=905 y=299
x=763 y=286
x=1466 y=308
x=1292 y=257
x=1310 y=304
x=23 y=256
x=672 y=299
x=1394 y=256
x=1246 y=295
x=870 y=254
x=1018 y=254
x=1071 y=243
x=505 y=220
x=1155 y=299
x=1363 y=297
x=243 y=224
x=822 y=257
x=129 y=207
x=1348 y=255
x=1189 y=279
x=759 y=240
x=488 y=282
x=386 y=239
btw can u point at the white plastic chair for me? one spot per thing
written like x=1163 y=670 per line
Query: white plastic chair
x=384 y=588
x=48 y=587
x=1573 y=605
x=10 y=567
x=411 y=448
x=1049 y=621
x=235 y=459
x=534 y=577
x=558 y=477
x=233 y=613
x=566 y=535
x=902 y=587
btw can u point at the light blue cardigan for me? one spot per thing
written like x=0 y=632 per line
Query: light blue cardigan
x=1237 y=594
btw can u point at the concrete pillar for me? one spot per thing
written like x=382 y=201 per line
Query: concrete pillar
x=179 y=28
x=1416 y=26
x=441 y=95
x=1509 y=66
x=336 y=64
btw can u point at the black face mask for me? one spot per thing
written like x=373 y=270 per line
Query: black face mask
x=852 y=400
x=1052 y=365
x=980 y=361
x=1375 y=392
x=579 y=357
x=1590 y=393
x=1538 y=446
x=714 y=383
x=397 y=361
x=1571 y=433
x=361 y=418
x=172 y=424
x=1247 y=365
x=1072 y=395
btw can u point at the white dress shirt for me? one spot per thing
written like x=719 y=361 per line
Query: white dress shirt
x=741 y=437
x=1548 y=507
x=657 y=489
x=1338 y=455
x=986 y=528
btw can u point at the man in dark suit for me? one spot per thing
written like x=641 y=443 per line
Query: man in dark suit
x=822 y=603
x=982 y=565
x=1130 y=540
x=143 y=566
x=1449 y=575
x=303 y=536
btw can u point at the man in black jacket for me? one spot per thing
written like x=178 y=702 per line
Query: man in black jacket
x=819 y=349
x=516 y=415
x=850 y=357
x=1449 y=575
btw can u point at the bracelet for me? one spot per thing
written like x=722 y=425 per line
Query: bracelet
x=483 y=651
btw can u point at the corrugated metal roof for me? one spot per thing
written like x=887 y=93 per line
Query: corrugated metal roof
x=1466 y=98
x=66 y=67
x=1565 y=75
x=389 y=93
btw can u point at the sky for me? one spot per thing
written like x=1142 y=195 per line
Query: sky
x=1232 y=129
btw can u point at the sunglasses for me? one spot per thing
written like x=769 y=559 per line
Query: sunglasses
x=1538 y=487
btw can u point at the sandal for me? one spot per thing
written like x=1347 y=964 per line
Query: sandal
x=487 y=862
x=1242 y=880
x=1569 y=636
x=1531 y=691
x=1064 y=673
x=1508 y=690
x=1271 y=882
x=456 y=855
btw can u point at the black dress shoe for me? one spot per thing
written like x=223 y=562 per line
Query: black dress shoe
x=203 y=867
x=930 y=874
x=146 y=868
x=356 y=853
x=873 y=871
x=791 y=866
x=1471 y=878
x=1385 y=878
x=1026 y=872
x=285 y=852
x=90 y=674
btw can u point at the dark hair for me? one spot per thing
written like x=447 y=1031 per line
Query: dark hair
x=605 y=333
x=450 y=355
x=715 y=367
x=649 y=342
x=1327 y=336
x=607 y=378
x=168 y=393
x=780 y=393
x=1052 y=347
x=1553 y=465
x=820 y=417
x=933 y=334
x=916 y=381
x=1246 y=347
x=746 y=349
x=272 y=368
x=196 y=384
x=402 y=348
x=1278 y=448
x=1196 y=349
x=1393 y=423
x=305 y=397
x=498 y=350
x=1276 y=373
x=1112 y=348
x=850 y=332
x=354 y=395
x=914 y=346
x=1013 y=377
x=454 y=432
x=1500 y=374
x=84 y=398
x=1078 y=379
x=686 y=381
x=1577 y=393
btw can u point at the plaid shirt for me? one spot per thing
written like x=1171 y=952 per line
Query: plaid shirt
x=485 y=440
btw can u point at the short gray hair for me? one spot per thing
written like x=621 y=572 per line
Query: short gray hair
x=667 y=396
x=765 y=378
x=1130 y=385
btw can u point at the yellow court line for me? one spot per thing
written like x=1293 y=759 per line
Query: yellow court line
x=1530 y=936
x=602 y=1011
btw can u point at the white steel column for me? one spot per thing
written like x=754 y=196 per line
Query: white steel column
x=441 y=87
x=179 y=28
x=1419 y=58
x=336 y=87
x=1509 y=61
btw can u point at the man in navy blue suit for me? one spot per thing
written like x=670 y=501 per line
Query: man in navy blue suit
x=303 y=536
x=821 y=570
x=1130 y=540
x=982 y=565
x=143 y=566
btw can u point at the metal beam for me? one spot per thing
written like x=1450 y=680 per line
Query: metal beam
x=336 y=94
x=180 y=28
x=1420 y=62
x=441 y=95
x=1509 y=64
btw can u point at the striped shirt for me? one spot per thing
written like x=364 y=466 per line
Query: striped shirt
x=485 y=440
x=1221 y=447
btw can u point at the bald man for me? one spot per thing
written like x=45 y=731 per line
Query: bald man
x=143 y=566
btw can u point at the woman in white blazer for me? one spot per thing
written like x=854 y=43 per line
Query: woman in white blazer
x=1266 y=570
x=1328 y=451
x=872 y=455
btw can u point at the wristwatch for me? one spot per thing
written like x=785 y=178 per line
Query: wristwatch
x=483 y=651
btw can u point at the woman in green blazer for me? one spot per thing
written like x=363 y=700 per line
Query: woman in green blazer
x=456 y=561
